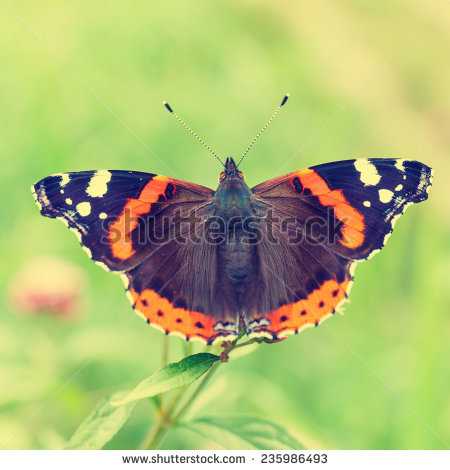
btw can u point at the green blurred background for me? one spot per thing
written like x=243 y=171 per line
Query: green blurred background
x=81 y=86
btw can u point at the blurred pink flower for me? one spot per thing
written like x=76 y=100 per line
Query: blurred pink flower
x=47 y=284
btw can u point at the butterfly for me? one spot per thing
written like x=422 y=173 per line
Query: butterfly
x=208 y=265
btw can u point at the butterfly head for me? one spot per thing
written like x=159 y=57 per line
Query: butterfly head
x=231 y=173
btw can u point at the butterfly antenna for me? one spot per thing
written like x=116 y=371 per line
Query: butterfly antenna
x=167 y=105
x=266 y=125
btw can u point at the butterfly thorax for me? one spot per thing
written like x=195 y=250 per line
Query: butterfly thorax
x=233 y=198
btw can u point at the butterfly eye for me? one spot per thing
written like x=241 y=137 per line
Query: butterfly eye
x=221 y=176
x=241 y=175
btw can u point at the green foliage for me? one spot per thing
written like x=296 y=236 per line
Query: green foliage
x=102 y=424
x=170 y=377
x=112 y=412
x=243 y=432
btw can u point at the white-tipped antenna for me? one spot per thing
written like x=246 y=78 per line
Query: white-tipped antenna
x=167 y=105
x=266 y=125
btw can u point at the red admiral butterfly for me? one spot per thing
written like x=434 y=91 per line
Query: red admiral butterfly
x=205 y=264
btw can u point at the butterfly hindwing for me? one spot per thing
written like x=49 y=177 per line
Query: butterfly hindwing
x=299 y=285
x=178 y=290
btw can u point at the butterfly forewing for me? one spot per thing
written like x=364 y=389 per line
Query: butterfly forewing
x=363 y=196
x=108 y=209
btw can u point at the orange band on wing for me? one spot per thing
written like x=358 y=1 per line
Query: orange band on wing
x=161 y=313
x=319 y=305
x=353 y=221
x=119 y=230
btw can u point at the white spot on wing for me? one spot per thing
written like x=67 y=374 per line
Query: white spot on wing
x=368 y=171
x=385 y=195
x=399 y=164
x=399 y=187
x=102 y=215
x=366 y=203
x=84 y=208
x=98 y=184
x=65 y=178
x=69 y=201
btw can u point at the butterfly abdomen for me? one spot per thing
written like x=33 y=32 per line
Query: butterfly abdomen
x=236 y=259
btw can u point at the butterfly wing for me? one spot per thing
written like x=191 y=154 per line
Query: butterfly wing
x=108 y=210
x=343 y=212
x=124 y=220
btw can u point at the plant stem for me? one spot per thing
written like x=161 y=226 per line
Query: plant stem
x=165 y=351
x=155 y=435
x=166 y=417
x=246 y=343
x=175 y=401
x=164 y=360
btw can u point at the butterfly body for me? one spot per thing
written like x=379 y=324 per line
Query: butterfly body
x=234 y=204
x=203 y=264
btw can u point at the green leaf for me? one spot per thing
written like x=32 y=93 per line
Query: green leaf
x=244 y=432
x=102 y=424
x=171 y=376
